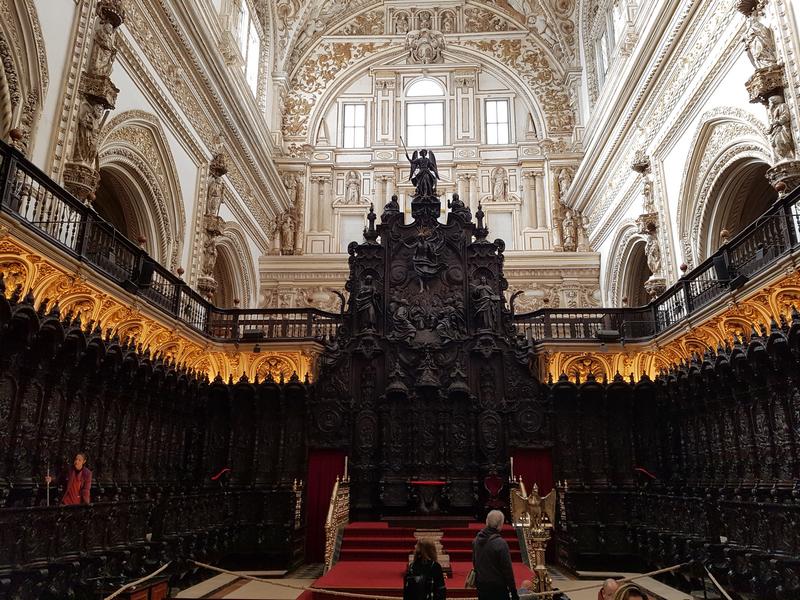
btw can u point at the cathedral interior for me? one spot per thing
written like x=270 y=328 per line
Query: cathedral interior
x=304 y=281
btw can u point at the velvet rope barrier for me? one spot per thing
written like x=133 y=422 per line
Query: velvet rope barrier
x=305 y=588
x=137 y=582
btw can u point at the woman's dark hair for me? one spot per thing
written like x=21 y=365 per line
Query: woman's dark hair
x=83 y=454
x=425 y=550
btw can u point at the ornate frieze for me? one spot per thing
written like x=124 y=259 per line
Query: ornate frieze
x=528 y=59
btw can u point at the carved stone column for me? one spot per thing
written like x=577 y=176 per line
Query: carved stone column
x=325 y=203
x=213 y=225
x=766 y=87
x=529 y=208
x=98 y=95
x=473 y=192
x=462 y=186
x=316 y=192
x=541 y=205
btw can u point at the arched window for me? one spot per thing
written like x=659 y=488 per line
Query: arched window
x=425 y=113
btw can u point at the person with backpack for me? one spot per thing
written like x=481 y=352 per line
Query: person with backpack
x=424 y=579
x=491 y=560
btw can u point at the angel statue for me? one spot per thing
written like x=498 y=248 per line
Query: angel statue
x=424 y=172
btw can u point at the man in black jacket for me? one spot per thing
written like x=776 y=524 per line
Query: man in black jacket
x=494 y=575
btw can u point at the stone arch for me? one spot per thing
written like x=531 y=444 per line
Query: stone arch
x=24 y=77
x=627 y=266
x=138 y=172
x=739 y=196
x=234 y=270
x=314 y=110
x=726 y=137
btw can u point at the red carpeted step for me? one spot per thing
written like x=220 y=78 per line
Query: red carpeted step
x=372 y=542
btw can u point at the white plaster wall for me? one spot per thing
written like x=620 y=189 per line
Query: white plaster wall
x=57 y=20
x=730 y=92
x=131 y=98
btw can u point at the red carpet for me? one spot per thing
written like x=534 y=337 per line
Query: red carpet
x=374 y=556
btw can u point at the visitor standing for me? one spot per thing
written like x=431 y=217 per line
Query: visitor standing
x=76 y=481
x=491 y=559
x=424 y=578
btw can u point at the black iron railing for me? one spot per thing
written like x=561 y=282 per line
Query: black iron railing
x=44 y=207
x=773 y=235
x=41 y=205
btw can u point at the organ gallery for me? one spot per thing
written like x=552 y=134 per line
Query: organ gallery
x=296 y=293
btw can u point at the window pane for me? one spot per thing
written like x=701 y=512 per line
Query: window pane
x=360 y=115
x=502 y=111
x=349 y=109
x=349 y=137
x=502 y=133
x=491 y=111
x=425 y=87
x=416 y=114
x=360 y=137
x=491 y=133
x=435 y=135
x=416 y=136
x=253 y=55
x=434 y=113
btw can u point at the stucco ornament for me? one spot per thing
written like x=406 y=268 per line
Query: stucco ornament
x=425 y=46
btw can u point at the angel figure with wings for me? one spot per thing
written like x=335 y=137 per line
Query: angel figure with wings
x=424 y=172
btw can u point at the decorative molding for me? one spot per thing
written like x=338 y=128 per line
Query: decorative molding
x=84 y=294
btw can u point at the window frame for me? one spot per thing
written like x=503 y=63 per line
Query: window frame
x=365 y=127
x=440 y=99
x=426 y=102
x=507 y=123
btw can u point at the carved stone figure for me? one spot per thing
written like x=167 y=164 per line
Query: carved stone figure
x=352 y=193
x=448 y=23
x=424 y=20
x=216 y=191
x=499 y=185
x=89 y=116
x=568 y=231
x=368 y=304
x=780 y=129
x=484 y=300
x=564 y=181
x=401 y=23
x=424 y=172
x=760 y=43
x=209 y=258
x=540 y=25
x=425 y=47
x=101 y=56
x=287 y=233
x=583 y=235
x=653 y=253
